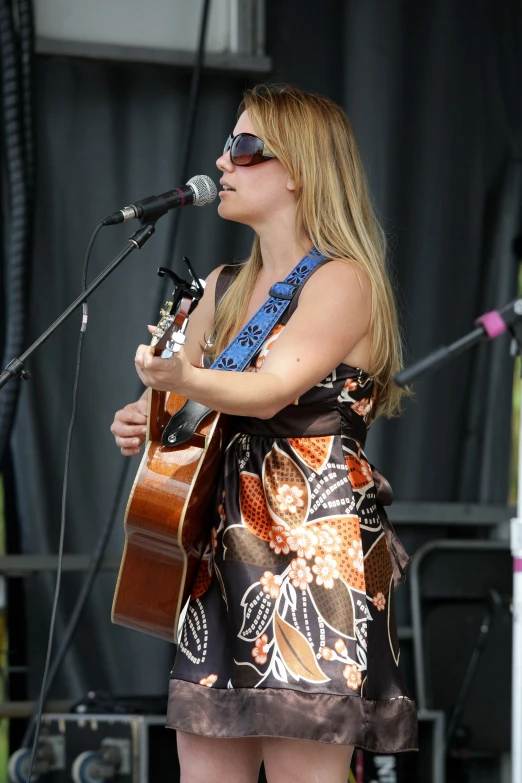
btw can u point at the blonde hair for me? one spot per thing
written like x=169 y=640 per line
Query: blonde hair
x=313 y=139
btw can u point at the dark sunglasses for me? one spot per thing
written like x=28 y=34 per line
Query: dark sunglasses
x=247 y=150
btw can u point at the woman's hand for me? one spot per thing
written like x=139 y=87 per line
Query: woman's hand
x=129 y=427
x=162 y=374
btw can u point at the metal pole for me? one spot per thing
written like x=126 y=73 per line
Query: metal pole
x=495 y=323
x=516 y=551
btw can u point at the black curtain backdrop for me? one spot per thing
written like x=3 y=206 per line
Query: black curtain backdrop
x=432 y=89
x=433 y=92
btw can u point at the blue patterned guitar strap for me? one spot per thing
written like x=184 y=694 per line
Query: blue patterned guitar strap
x=239 y=353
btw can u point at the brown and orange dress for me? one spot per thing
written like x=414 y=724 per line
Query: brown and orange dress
x=290 y=630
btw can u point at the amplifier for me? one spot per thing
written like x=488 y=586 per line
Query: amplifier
x=94 y=748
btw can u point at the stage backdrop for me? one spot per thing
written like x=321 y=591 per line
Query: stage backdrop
x=433 y=92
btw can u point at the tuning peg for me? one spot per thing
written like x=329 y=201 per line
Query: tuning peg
x=177 y=339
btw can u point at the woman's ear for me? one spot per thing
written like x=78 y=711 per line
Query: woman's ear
x=290 y=184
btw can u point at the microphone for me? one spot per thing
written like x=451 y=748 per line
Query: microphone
x=198 y=191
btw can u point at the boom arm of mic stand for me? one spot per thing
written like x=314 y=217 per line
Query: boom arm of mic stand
x=439 y=357
x=489 y=326
x=16 y=368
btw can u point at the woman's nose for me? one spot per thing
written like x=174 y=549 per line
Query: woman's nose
x=224 y=163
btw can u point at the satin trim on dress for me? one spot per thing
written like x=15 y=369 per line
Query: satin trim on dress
x=380 y=726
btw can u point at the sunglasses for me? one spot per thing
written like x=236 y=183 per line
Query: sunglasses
x=247 y=150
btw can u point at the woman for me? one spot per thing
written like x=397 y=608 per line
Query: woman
x=288 y=651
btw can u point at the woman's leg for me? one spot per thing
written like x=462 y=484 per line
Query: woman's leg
x=298 y=761
x=225 y=760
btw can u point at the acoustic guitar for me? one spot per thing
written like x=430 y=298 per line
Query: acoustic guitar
x=167 y=524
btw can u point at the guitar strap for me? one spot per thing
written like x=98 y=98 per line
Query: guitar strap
x=239 y=353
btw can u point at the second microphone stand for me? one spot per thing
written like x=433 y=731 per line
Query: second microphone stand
x=489 y=326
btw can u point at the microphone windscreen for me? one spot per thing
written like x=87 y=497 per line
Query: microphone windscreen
x=204 y=189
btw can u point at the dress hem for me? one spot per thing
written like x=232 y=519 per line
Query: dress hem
x=380 y=726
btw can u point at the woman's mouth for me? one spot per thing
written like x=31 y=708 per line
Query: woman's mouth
x=226 y=189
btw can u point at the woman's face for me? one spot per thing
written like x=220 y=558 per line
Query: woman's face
x=256 y=193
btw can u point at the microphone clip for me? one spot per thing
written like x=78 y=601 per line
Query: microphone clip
x=149 y=210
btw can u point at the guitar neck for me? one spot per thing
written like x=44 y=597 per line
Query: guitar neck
x=157 y=415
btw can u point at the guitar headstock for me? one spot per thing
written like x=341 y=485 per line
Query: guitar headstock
x=170 y=330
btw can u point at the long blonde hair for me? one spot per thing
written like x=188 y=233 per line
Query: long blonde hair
x=313 y=139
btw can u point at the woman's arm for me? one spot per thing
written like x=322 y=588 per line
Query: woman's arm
x=129 y=424
x=331 y=319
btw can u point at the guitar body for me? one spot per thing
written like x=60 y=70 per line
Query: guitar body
x=167 y=521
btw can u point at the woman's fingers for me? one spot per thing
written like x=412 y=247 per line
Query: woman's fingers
x=142 y=406
x=130 y=433
x=129 y=443
x=132 y=415
x=125 y=430
x=129 y=427
x=130 y=452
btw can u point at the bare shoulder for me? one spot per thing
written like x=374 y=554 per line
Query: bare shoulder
x=211 y=279
x=329 y=326
x=208 y=300
x=340 y=280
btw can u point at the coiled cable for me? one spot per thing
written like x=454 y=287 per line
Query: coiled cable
x=19 y=159
x=51 y=670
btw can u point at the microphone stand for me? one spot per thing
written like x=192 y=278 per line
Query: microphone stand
x=16 y=367
x=489 y=326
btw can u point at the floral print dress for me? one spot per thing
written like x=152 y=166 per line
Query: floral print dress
x=290 y=630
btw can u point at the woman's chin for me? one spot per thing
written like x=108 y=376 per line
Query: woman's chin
x=227 y=212
x=223 y=209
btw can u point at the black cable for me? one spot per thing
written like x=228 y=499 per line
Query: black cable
x=18 y=250
x=36 y=720
x=189 y=130
x=32 y=730
x=94 y=567
x=26 y=47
